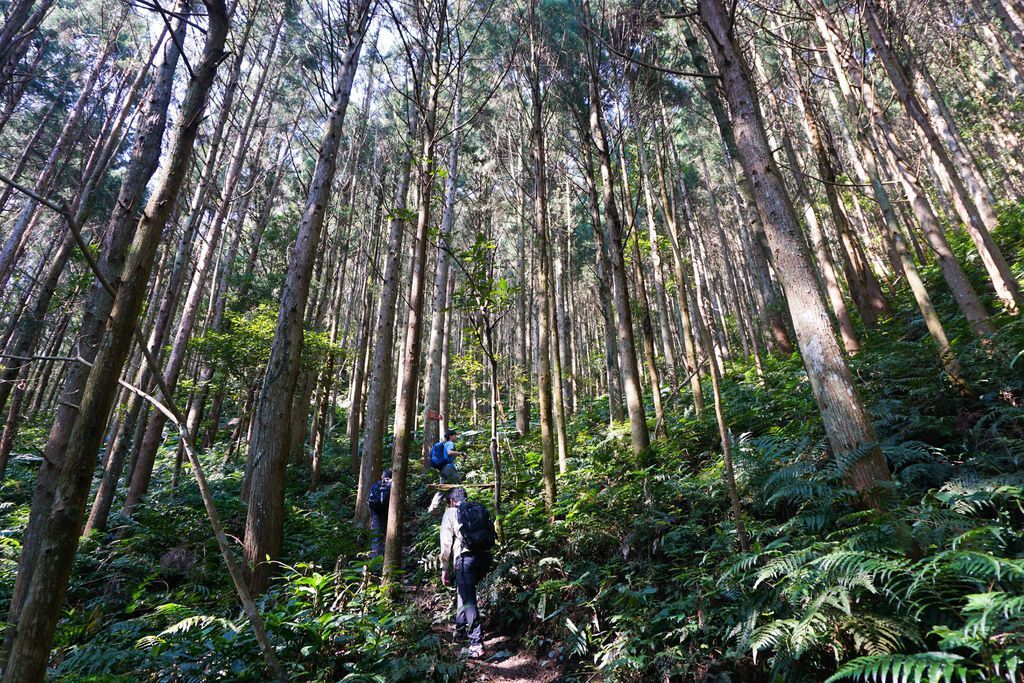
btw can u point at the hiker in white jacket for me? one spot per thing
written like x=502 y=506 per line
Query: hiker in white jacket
x=470 y=567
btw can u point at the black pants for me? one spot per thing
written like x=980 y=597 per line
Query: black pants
x=378 y=528
x=469 y=570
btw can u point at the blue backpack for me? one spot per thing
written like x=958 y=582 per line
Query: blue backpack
x=438 y=458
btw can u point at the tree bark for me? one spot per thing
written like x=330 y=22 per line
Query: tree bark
x=653 y=238
x=432 y=377
x=62 y=526
x=974 y=207
x=112 y=254
x=845 y=418
x=21 y=22
x=872 y=116
x=264 y=524
x=542 y=297
x=670 y=205
x=406 y=403
x=602 y=268
x=379 y=386
x=20 y=230
x=624 y=314
x=522 y=365
x=779 y=339
x=557 y=341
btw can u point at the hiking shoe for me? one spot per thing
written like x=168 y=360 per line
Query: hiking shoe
x=473 y=651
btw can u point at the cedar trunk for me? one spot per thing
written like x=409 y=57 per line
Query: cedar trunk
x=846 y=421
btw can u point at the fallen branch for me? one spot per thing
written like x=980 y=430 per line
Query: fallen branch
x=449 y=487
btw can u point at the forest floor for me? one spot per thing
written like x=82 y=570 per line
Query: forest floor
x=506 y=658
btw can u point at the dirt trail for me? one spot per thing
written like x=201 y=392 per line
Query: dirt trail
x=504 y=661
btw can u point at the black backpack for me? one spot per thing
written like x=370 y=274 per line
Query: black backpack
x=476 y=527
x=379 y=496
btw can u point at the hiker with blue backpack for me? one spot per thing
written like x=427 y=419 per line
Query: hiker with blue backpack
x=442 y=458
x=467 y=540
x=378 y=501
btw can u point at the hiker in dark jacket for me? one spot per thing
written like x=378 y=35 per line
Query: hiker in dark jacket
x=466 y=546
x=378 y=501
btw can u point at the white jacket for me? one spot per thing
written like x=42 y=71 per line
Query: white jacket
x=451 y=537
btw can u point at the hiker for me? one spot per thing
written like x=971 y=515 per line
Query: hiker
x=442 y=458
x=467 y=538
x=378 y=500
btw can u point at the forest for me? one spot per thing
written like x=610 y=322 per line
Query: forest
x=712 y=309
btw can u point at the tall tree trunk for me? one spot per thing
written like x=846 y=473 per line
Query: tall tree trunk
x=873 y=116
x=624 y=314
x=20 y=230
x=660 y=298
x=1012 y=60
x=647 y=338
x=112 y=254
x=730 y=476
x=560 y=265
x=828 y=177
x=380 y=364
x=264 y=523
x=602 y=268
x=976 y=211
x=355 y=412
x=670 y=205
x=21 y=22
x=846 y=420
x=557 y=341
x=62 y=526
x=445 y=358
x=12 y=422
x=209 y=244
x=542 y=297
x=406 y=403
x=945 y=125
x=1011 y=21
x=432 y=377
x=522 y=364
x=779 y=339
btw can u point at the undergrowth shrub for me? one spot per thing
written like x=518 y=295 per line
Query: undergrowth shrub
x=638 y=577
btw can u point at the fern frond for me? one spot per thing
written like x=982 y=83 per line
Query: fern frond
x=771 y=636
x=877 y=634
x=199 y=621
x=932 y=667
x=784 y=565
x=846 y=564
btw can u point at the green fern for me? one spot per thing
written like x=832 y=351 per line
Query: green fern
x=931 y=667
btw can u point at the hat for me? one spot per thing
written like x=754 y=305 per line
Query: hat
x=458 y=495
